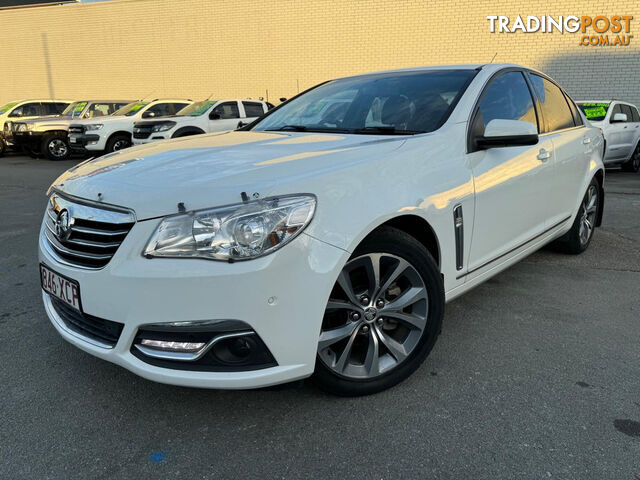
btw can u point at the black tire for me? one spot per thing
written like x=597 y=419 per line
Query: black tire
x=633 y=164
x=118 y=142
x=55 y=147
x=396 y=244
x=3 y=147
x=574 y=242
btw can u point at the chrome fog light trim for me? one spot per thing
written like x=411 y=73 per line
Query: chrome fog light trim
x=184 y=355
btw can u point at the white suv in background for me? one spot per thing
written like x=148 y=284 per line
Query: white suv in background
x=201 y=117
x=25 y=110
x=620 y=125
x=114 y=132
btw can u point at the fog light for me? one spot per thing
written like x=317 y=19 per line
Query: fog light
x=186 y=347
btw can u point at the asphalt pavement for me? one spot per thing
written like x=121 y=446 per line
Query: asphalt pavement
x=536 y=375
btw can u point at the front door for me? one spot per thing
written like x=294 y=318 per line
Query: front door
x=224 y=116
x=511 y=183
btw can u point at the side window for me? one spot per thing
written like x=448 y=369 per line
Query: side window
x=253 y=109
x=507 y=98
x=226 y=110
x=635 y=114
x=626 y=109
x=158 y=110
x=176 y=107
x=616 y=109
x=577 y=118
x=26 y=110
x=51 y=108
x=555 y=109
x=100 y=110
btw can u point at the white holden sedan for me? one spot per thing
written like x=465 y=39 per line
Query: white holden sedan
x=323 y=239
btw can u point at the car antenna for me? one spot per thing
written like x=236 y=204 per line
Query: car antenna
x=209 y=97
x=494 y=57
x=147 y=95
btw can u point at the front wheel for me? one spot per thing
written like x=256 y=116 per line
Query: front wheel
x=118 y=142
x=55 y=147
x=633 y=164
x=577 y=239
x=383 y=316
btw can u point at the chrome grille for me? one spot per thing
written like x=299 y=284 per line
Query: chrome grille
x=85 y=234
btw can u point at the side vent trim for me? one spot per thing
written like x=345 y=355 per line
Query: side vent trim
x=458 y=225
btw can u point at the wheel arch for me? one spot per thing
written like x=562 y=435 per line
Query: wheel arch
x=119 y=132
x=419 y=228
x=186 y=131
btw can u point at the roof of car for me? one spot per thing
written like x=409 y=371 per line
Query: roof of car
x=596 y=101
x=60 y=100
x=473 y=66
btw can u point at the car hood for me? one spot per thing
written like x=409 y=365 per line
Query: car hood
x=50 y=123
x=214 y=169
x=107 y=119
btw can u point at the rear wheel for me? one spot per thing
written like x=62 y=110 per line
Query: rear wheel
x=633 y=164
x=55 y=147
x=118 y=142
x=577 y=239
x=383 y=316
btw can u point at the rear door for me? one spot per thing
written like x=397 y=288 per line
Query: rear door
x=224 y=116
x=511 y=183
x=636 y=126
x=617 y=147
x=571 y=145
x=628 y=131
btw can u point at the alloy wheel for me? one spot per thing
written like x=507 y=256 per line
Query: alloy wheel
x=58 y=148
x=120 y=144
x=375 y=317
x=588 y=212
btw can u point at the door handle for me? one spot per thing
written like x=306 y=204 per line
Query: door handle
x=544 y=155
x=586 y=140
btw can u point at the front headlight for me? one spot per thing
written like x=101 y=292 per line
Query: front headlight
x=21 y=127
x=163 y=127
x=236 y=232
x=93 y=126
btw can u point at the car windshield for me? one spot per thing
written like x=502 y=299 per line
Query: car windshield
x=6 y=107
x=196 y=109
x=130 y=109
x=74 y=110
x=384 y=104
x=594 y=112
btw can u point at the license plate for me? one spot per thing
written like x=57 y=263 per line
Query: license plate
x=60 y=287
x=73 y=139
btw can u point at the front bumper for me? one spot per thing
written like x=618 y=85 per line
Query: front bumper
x=82 y=142
x=154 y=138
x=282 y=297
x=31 y=140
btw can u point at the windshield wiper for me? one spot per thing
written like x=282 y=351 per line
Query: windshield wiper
x=384 y=130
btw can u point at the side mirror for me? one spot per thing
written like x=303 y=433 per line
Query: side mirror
x=214 y=116
x=148 y=115
x=619 y=117
x=507 y=133
x=16 y=114
x=283 y=99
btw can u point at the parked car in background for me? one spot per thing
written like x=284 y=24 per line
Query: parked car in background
x=201 y=117
x=620 y=125
x=114 y=132
x=48 y=136
x=306 y=247
x=25 y=110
